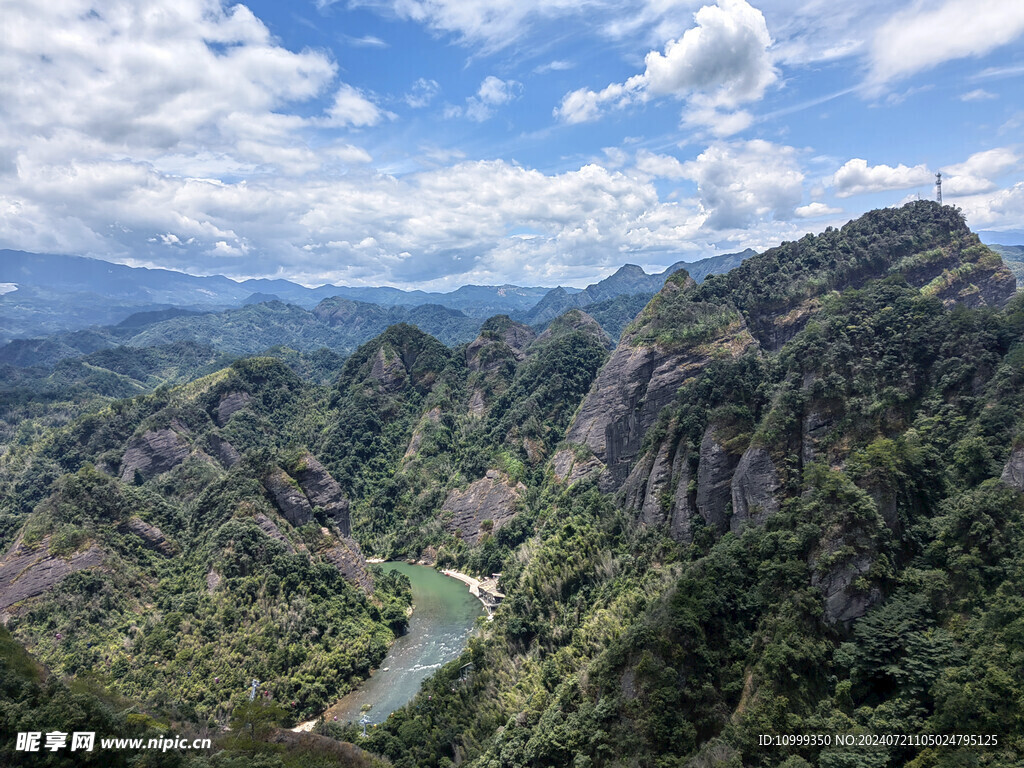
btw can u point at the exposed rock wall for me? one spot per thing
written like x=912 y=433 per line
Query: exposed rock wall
x=267 y=526
x=714 y=481
x=27 y=572
x=1013 y=472
x=224 y=451
x=345 y=555
x=323 y=491
x=153 y=536
x=569 y=469
x=389 y=369
x=153 y=453
x=288 y=497
x=489 y=498
x=755 y=486
x=658 y=490
x=230 y=404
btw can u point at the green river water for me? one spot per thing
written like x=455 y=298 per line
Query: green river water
x=442 y=620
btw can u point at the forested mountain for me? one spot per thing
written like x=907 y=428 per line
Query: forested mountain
x=628 y=280
x=45 y=293
x=337 y=324
x=1013 y=257
x=790 y=500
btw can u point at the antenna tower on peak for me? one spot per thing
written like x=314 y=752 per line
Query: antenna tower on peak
x=938 y=187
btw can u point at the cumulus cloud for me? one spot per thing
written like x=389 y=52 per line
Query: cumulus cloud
x=493 y=92
x=352 y=108
x=916 y=39
x=190 y=86
x=717 y=65
x=741 y=182
x=663 y=166
x=856 y=177
x=978 y=173
x=814 y=210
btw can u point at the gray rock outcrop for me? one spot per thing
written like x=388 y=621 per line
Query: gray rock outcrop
x=153 y=453
x=570 y=469
x=30 y=571
x=345 y=555
x=1013 y=472
x=843 y=602
x=658 y=490
x=268 y=527
x=636 y=383
x=153 y=536
x=288 y=497
x=224 y=451
x=714 y=481
x=755 y=485
x=389 y=369
x=489 y=498
x=433 y=416
x=229 y=404
x=323 y=491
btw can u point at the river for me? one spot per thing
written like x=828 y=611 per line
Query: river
x=442 y=620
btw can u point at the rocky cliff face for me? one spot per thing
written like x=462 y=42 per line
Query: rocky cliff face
x=388 y=369
x=1013 y=472
x=658 y=490
x=288 y=497
x=229 y=404
x=268 y=527
x=152 y=536
x=641 y=378
x=345 y=555
x=489 y=498
x=153 y=453
x=569 y=469
x=714 y=481
x=224 y=451
x=323 y=491
x=755 y=487
x=29 y=571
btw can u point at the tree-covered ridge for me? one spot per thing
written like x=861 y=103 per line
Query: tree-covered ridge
x=176 y=539
x=869 y=586
x=816 y=529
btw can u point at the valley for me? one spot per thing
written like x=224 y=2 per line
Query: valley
x=784 y=497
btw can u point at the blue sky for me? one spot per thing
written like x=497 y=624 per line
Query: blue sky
x=432 y=143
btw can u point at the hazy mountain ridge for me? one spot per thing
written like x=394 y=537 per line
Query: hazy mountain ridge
x=628 y=279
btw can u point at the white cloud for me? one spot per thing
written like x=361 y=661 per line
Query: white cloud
x=490 y=24
x=717 y=65
x=741 y=182
x=191 y=87
x=1001 y=209
x=922 y=37
x=663 y=166
x=493 y=92
x=352 y=108
x=814 y=210
x=558 y=65
x=422 y=93
x=725 y=55
x=978 y=173
x=978 y=94
x=856 y=177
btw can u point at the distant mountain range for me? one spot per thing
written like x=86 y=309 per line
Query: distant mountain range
x=49 y=293
x=628 y=280
x=1013 y=257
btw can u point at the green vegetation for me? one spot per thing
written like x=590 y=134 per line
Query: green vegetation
x=877 y=400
